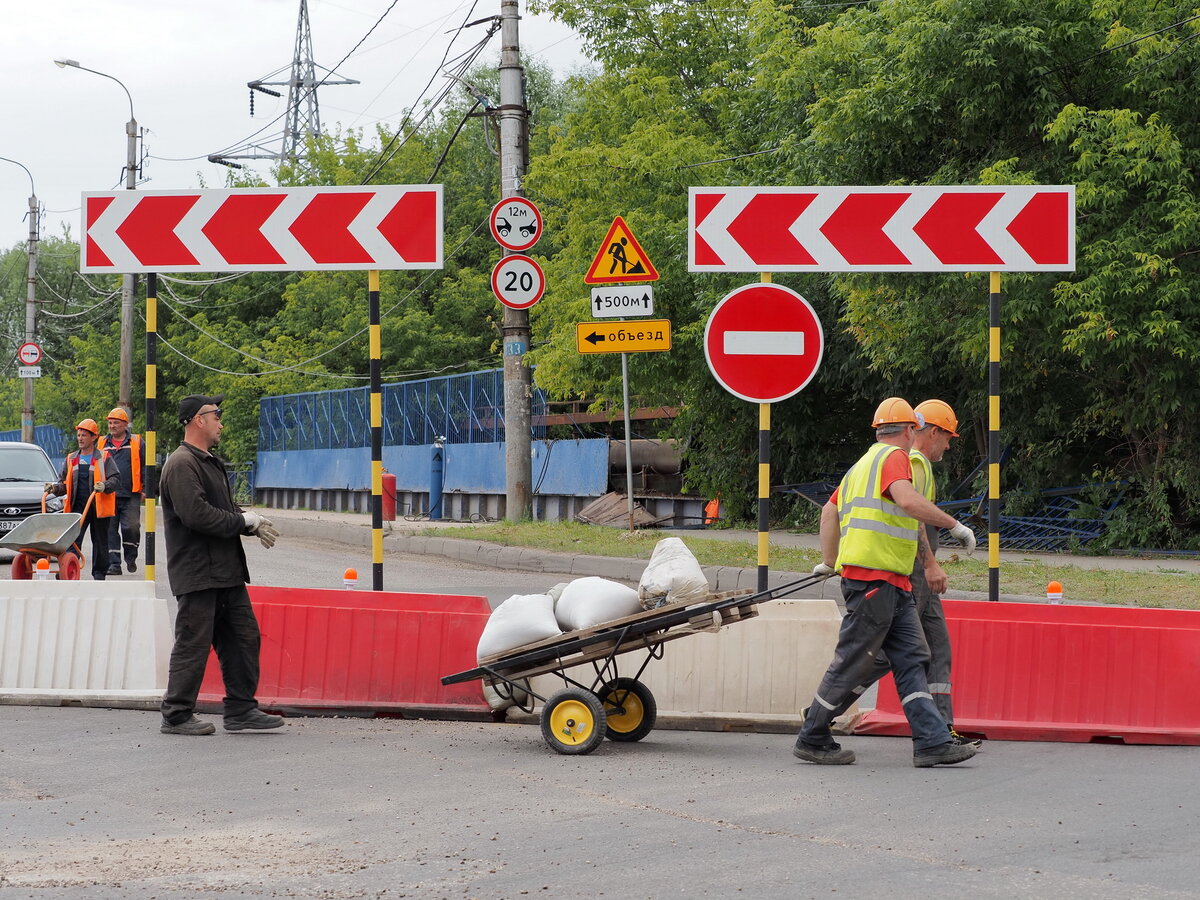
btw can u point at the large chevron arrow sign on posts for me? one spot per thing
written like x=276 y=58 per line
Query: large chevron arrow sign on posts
x=1014 y=228
x=264 y=229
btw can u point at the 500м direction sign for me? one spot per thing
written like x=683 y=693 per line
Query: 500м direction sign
x=623 y=337
x=611 y=302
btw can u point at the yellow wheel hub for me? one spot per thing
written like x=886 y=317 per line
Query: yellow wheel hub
x=634 y=712
x=571 y=722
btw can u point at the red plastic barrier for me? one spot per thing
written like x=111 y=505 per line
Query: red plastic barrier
x=1027 y=672
x=363 y=650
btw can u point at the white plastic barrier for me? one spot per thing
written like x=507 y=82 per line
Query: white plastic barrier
x=761 y=672
x=92 y=643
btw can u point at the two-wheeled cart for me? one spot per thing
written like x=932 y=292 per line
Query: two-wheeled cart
x=578 y=717
x=49 y=536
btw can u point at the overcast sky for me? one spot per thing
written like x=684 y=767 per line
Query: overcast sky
x=186 y=64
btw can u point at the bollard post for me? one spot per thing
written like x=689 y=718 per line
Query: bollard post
x=350 y=579
x=1054 y=592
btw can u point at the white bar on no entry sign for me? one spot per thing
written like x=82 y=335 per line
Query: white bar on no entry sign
x=764 y=343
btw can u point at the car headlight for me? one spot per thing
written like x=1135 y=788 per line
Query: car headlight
x=54 y=504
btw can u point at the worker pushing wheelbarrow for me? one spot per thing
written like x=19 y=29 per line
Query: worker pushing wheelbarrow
x=88 y=480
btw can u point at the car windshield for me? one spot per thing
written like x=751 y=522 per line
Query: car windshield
x=25 y=464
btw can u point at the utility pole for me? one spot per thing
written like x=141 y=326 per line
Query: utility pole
x=514 y=135
x=128 y=281
x=30 y=316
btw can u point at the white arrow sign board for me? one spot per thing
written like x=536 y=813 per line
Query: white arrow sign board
x=29 y=371
x=616 y=301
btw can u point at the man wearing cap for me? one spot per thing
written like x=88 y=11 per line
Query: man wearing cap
x=206 y=568
x=89 y=478
x=126 y=450
x=869 y=535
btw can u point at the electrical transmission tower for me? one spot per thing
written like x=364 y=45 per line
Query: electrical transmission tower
x=303 y=117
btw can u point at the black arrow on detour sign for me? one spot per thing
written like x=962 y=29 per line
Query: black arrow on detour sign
x=594 y=338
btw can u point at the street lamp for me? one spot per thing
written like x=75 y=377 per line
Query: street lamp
x=128 y=282
x=30 y=301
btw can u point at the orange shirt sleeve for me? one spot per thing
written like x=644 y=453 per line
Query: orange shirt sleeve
x=896 y=467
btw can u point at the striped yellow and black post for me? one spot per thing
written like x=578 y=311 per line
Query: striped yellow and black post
x=994 y=298
x=764 y=482
x=376 y=432
x=150 y=486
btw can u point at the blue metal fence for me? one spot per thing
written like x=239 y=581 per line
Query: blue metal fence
x=50 y=438
x=461 y=409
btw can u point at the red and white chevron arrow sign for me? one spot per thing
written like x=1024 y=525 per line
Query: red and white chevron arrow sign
x=1017 y=228
x=264 y=229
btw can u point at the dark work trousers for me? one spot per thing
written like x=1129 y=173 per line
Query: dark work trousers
x=224 y=620
x=879 y=616
x=937 y=641
x=126 y=532
x=99 y=535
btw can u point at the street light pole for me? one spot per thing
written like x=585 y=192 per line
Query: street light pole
x=128 y=281
x=30 y=302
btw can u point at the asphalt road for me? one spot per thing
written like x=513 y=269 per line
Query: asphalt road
x=97 y=804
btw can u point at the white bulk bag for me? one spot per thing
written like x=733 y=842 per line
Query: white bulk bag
x=521 y=619
x=672 y=576
x=590 y=601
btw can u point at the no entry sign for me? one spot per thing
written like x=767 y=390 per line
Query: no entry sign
x=763 y=343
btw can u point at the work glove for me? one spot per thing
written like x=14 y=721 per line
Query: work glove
x=252 y=520
x=267 y=533
x=965 y=535
x=822 y=569
x=50 y=487
x=100 y=488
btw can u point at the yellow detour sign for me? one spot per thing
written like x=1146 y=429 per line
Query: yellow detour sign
x=620 y=258
x=648 y=335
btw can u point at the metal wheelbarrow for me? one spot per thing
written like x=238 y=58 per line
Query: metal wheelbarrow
x=49 y=536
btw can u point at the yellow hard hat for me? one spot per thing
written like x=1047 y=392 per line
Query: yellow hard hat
x=939 y=413
x=118 y=413
x=895 y=411
x=88 y=425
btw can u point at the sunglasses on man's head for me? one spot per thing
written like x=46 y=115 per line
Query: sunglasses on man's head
x=216 y=412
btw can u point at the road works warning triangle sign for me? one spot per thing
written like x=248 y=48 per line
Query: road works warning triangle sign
x=620 y=258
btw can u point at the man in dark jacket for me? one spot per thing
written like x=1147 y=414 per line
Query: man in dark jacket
x=206 y=568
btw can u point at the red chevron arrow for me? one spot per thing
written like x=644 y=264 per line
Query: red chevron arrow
x=856 y=229
x=321 y=229
x=705 y=255
x=235 y=229
x=762 y=229
x=948 y=228
x=95 y=206
x=149 y=231
x=1038 y=228
x=414 y=244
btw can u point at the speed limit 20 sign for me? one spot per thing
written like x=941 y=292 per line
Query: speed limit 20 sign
x=518 y=281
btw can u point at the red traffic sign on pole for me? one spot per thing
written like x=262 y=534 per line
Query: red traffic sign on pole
x=263 y=229
x=962 y=228
x=763 y=343
x=518 y=281
x=29 y=353
x=516 y=224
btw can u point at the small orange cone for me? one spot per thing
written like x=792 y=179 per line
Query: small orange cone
x=350 y=579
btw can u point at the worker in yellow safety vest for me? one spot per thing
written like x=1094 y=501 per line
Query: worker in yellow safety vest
x=869 y=535
x=126 y=449
x=89 y=472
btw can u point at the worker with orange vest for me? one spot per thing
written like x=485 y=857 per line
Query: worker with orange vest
x=89 y=474
x=870 y=532
x=126 y=529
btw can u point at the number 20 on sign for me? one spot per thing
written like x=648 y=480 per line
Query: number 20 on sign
x=518 y=281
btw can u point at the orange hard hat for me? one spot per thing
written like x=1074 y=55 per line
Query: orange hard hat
x=118 y=413
x=939 y=413
x=894 y=411
x=88 y=425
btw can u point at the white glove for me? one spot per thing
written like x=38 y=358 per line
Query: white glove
x=822 y=569
x=964 y=535
x=253 y=520
x=100 y=488
x=267 y=533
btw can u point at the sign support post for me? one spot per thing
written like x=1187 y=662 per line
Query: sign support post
x=376 y=432
x=764 y=482
x=150 y=498
x=994 y=298
x=628 y=443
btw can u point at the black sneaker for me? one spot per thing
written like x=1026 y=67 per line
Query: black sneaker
x=114 y=570
x=190 y=726
x=830 y=755
x=946 y=754
x=131 y=566
x=255 y=720
x=957 y=738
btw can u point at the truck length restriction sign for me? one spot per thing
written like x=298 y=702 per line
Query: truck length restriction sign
x=763 y=343
x=613 y=302
x=516 y=224
x=29 y=353
x=650 y=335
x=518 y=281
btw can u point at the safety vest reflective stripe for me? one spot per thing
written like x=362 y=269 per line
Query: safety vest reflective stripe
x=135 y=459
x=875 y=532
x=105 y=503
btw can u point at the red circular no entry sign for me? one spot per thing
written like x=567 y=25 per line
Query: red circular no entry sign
x=763 y=343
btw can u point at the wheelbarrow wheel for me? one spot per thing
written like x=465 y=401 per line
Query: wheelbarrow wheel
x=68 y=566
x=629 y=709
x=573 y=722
x=22 y=568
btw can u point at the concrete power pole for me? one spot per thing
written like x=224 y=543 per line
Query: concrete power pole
x=30 y=316
x=514 y=127
x=128 y=282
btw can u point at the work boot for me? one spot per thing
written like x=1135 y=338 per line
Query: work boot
x=254 y=720
x=831 y=754
x=946 y=754
x=957 y=738
x=131 y=565
x=190 y=726
x=114 y=570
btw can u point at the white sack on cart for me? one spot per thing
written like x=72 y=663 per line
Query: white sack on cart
x=521 y=619
x=590 y=601
x=672 y=576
